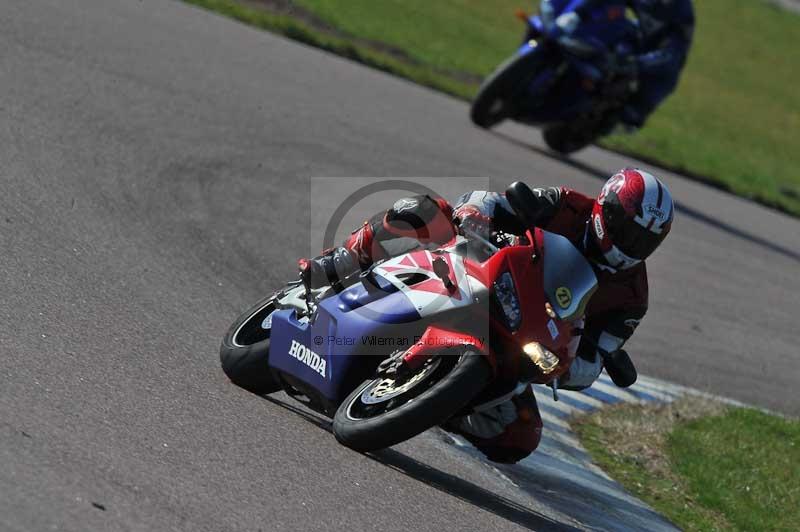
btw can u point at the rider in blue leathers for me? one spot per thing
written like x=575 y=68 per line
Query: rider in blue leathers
x=666 y=28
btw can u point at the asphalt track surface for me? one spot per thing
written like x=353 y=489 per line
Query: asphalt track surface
x=154 y=181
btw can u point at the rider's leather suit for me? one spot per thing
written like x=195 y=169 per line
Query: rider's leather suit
x=666 y=28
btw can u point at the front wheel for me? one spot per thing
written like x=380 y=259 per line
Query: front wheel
x=383 y=412
x=495 y=99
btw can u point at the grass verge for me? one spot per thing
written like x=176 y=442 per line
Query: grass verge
x=703 y=465
x=732 y=123
x=383 y=58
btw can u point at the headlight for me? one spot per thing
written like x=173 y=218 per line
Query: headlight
x=507 y=297
x=544 y=359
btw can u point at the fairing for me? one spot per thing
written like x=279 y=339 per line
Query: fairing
x=407 y=298
x=360 y=322
x=569 y=280
x=414 y=276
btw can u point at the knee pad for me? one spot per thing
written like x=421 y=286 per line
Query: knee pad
x=520 y=438
x=517 y=442
x=418 y=217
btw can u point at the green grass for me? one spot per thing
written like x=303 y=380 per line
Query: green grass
x=703 y=466
x=745 y=465
x=303 y=32
x=471 y=36
x=734 y=121
x=736 y=114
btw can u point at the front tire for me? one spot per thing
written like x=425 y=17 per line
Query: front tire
x=494 y=101
x=244 y=353
x=376 y=415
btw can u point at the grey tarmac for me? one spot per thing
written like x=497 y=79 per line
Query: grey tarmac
x=154 y=181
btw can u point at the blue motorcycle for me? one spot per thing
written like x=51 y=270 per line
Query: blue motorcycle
x=572 y=85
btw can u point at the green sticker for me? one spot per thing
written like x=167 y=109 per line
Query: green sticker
x=563 y=296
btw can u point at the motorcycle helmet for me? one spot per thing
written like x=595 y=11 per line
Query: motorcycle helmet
x=630 y=218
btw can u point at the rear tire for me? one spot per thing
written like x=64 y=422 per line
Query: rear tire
x=438 y=396
x=494 y=101
x=244 y=353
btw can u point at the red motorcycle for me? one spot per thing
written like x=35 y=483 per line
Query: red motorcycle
x=483 y=317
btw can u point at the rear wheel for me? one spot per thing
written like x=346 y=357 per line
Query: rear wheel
x=383 y=412
x=495 y=99
x=244 y=353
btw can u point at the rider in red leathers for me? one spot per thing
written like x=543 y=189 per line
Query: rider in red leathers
x=616 y=232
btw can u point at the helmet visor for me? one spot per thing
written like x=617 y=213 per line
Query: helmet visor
x=630 y=237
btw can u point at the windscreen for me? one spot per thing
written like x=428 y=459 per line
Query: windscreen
x=569 y=280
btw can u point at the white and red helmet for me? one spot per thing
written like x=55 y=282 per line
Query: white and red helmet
x=631 y=217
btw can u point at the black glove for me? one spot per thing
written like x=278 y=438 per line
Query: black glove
x=620 y=368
